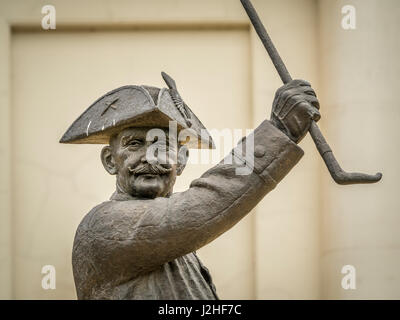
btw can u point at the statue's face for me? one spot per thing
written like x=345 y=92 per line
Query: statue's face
x=141 y=171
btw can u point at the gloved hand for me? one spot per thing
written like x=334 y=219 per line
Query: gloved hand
x=294 y=107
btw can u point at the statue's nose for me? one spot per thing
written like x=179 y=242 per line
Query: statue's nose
x=150 y=157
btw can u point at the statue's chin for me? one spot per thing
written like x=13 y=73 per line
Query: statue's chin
x=148 y=187
x=149 y=193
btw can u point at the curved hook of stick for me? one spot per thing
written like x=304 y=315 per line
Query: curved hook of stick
x=337 y=173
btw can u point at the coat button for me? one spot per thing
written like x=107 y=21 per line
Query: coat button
x=259 y=151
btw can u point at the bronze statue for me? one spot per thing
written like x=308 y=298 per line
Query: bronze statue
x=141 y=244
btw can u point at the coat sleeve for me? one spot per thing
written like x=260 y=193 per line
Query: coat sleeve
x=140 y=235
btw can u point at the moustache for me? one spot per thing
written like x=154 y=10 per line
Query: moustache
x=149 y=168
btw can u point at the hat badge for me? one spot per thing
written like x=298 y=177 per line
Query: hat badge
x=177 y=99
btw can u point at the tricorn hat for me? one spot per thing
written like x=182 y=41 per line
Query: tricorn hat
x=137 y=106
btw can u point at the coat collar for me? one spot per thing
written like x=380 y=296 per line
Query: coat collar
x=118 y=196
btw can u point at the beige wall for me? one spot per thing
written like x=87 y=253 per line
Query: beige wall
x=360 y=80
x=61 y=183
x=6 y=254
x=297 y=239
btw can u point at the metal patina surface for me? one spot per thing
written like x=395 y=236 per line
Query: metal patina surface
x=141 y=243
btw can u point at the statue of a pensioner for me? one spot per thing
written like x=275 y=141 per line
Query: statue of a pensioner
x=141 y=243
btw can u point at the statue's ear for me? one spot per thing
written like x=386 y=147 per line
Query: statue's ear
x=183 y=156
x=108 y=160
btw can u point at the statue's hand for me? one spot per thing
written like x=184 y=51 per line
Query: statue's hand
x=294 y=107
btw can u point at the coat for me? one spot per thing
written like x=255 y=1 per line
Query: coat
x=129 y=248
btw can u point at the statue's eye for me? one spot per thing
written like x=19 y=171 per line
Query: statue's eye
x=135 y=143
x=132 y=143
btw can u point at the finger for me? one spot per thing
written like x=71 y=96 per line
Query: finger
x=294 y=127
x=292 y=84
x=281 y=97
x=305 y=91
x=298 y=127
x=313 y=113
x=296 y=98
x=299 y=82
x=313 y=101
x=282 y=89
x=296 y=89
x=309 y=91
x=316 y=116
x=303 y=129
x=288 y=100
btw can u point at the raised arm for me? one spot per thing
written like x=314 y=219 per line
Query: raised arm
x=137 y=236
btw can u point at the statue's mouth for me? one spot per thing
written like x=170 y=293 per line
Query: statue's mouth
x=148 y=175
x=149 y=170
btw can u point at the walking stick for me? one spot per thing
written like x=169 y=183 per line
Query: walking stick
x=338 y=174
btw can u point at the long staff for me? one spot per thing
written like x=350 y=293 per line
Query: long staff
x=338 y=174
